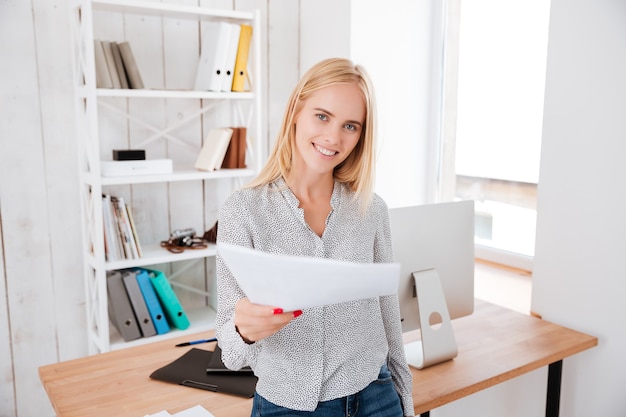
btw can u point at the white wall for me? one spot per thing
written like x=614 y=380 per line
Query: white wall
x=324 y=31
x=579 y=266
x=399 y=44
x=44 y=302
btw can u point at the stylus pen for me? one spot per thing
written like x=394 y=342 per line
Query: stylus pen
x=195 y=342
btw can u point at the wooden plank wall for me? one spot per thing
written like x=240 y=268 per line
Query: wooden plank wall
x=42 y=313
x=44 y=295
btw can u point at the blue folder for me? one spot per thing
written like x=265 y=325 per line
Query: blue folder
x=152 y=302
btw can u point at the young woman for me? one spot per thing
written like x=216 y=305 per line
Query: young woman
x=314 y=197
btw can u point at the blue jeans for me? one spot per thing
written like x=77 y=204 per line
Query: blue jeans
x=378 y=399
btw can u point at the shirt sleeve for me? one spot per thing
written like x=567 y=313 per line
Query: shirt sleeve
x=232 y=228
x=390 y=310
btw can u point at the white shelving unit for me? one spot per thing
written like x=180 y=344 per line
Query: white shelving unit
x=210 y=109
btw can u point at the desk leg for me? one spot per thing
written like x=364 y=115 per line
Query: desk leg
x=553 y=399
x=426 y=414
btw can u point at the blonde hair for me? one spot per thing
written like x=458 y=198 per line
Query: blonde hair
x=358 y=169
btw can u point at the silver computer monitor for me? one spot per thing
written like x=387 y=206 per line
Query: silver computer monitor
x=437 y=237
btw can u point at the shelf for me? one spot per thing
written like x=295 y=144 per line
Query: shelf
x=155 y=254
x=168 y=10
x=201 y=319
x=159 y=93
x=182 y=175
x=179 y=175
x=118 y=118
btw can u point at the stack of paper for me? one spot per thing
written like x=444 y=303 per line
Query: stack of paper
x=196 y=411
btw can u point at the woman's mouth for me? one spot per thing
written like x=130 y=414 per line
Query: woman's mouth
x=324 y=151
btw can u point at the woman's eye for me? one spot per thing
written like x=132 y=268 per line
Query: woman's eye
x=321 y=116
x=350 y=127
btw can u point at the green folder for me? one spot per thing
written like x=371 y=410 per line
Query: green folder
x=174 y=311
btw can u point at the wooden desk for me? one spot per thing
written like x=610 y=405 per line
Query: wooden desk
x=495 y=345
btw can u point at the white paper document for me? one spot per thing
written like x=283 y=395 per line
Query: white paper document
x=296 y=282
x=195 y=411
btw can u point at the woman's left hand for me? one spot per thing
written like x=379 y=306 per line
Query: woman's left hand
x=255 y=322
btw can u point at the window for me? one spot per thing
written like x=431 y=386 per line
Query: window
x=502 y=46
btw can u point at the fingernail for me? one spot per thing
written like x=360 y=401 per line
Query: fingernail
x=297 y=313
x=278 y=311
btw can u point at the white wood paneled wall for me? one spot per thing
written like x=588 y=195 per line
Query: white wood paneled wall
x=42 y=301
x=43 y=307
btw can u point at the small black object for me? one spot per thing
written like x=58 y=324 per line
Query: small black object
x=129 y=154
x=216 y=366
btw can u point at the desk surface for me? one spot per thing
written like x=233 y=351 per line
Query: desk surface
x=495 y=344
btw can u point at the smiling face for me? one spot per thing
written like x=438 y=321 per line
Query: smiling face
x=328 y=127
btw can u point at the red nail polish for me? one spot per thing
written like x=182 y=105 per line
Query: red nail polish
x=278 y=311
x=297 y=313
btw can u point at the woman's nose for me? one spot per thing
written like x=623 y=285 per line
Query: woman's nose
x=332 y=132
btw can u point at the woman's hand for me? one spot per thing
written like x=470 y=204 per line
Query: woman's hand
x=255 y=322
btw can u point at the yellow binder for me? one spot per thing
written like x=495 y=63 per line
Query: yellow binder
x=241 y=63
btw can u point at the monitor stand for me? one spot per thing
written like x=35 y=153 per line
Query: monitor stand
x=437 y=342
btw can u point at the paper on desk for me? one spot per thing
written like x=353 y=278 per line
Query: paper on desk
x=295 y=282
x=162 y=413
x=195 y=411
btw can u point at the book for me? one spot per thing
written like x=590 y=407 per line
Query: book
x=242 y=147
x=174 y=311
x=152 y=301
x=103 y=79
x=213 y=53
x=241 y=62
x=112 y=240
x=138 y=303
x=120 y=310
x=232 y=152
x=134 y=231
x=123 y=227
x=231 y=56
x=108 y=55
x=130 y=65
x=236 y=153
x=119 y=65
x=214 y=149
x=109 y=253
